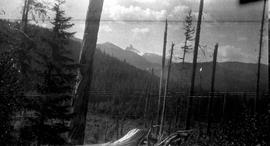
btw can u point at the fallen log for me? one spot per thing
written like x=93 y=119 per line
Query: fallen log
x=136 y=137
x=133 y=138
x=175 y=138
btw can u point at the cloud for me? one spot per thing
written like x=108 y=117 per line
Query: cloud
x=106 y=28
x=153 y=10
x=140 y=30
x=198 y=1
x=242 y=38
x=205 y=17
x=118 y=12
x=232 y=53
x=134 y=9
x=164 y=3
x=145 y=1
x=178 y=12
x=180 y=8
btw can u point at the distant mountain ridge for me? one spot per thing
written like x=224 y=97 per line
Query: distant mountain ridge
x=132 y=49
x=112 y=74
x=127 y=55
x=230 y=76
x=154 y=58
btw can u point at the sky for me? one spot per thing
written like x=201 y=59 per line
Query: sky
x=141 y=23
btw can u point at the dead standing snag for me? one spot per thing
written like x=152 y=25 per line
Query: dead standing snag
x=80 y=103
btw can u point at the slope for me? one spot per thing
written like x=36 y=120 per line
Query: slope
x=111 y=74
x=230 y=76
x=127 y=55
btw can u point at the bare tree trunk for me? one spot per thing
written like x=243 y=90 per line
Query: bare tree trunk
x=106 y=131
x=196 y=48
x=170 y=119
x=162 y=75
x=224 y=107
x=122 y=127
x=212 y=90
x=80 y=104
x=24 y=37
x=25 y=12
x=145 y=110
x=259 y=58
x=117 y=126
x=165 y=93
x=184 y=53
x=26 y=17
x=150 y=95
x=147 y=100
x=177 y=109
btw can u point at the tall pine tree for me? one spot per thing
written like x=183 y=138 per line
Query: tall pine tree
x=10 y=87
x=51 y=109
x=189 y=32
x=32 y=9
x=61 y=36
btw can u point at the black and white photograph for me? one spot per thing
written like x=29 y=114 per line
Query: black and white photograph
x=134 y=73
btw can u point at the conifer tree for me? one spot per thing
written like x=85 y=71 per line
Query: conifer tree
x=49 y=125
x=34 y=8
x=10 y=89
x=61 y=35
x=189 y=32
x=24 y=54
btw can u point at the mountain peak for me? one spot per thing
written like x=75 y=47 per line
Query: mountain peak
x=132 y=49
x=109 y=44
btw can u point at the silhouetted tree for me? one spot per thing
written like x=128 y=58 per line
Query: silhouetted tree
x=49 y=123
x=10 y=89
x=194 y=66
x=61 y=35
x=86 y=71
x=35 y=8
x=189 y=32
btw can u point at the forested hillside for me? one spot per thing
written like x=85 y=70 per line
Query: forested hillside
x=112 y=74
x=230 y=76
x=186 y=81
x=130 y=57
